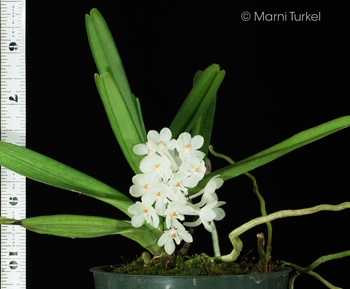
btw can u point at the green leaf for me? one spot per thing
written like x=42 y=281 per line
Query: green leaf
x=208 y=98
x=204 y=124
x=107 y=59
x=46 y=170
x=303 y=138
x=196 y=76
x=197 y=101
x=138 y=105
x=6 y=221
x=77 y=226
x=120 y=119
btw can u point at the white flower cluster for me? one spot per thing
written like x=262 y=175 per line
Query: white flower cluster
x=169 y=168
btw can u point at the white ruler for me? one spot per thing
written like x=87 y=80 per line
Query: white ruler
x=13 y=130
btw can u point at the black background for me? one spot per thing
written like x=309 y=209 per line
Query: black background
x=282 y=77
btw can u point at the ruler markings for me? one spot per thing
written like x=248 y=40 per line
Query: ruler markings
x=13 y=126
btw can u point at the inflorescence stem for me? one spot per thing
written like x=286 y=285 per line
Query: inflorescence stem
x=255 y=190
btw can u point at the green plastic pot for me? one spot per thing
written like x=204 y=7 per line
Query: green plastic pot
x=104 y=279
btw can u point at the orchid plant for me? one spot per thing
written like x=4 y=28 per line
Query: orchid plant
x=171 y=167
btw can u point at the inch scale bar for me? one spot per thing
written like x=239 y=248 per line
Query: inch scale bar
x=13 y=130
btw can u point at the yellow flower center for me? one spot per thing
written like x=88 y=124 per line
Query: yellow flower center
x=197 y=170
x=173 y=235
x=145 y=211
x=187 y=146
x=148 y=151
x=157 y=166
x=160 y=143
x=177 y=184
x=145 y=186
x=173 y=214
x=158 y=194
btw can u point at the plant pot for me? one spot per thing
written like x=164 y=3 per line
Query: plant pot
x=104 y=279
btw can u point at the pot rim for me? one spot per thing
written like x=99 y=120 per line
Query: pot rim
x=103 y=270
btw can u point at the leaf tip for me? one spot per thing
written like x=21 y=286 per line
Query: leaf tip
x=94 y=11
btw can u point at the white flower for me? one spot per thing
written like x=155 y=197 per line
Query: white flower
x=154 y=164
x=143 y=149
x=208 y=214
x=196 y=169
x=169 y=168
x=208 y=193
x=142 y=183
x=188 y=146
x=176 y=182
x=143 y=213
x=159 y=194
x=219 y=212
x=169 y=236
x=175 y=212
x=156 y=141
x=161 y=140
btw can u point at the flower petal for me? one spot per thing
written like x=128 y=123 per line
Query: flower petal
x=165 y=135
x=169 y=246
x=192 y=181
x=171 y=145
x=185 y=137
x=207 y=215
x=149 y=198
x=155 y=218
x=136 y=208
x=196 y=142
x=207 y=227
x=138 y=220
x=177 y=224
x=160 y=206
x=153 y=136
x=220 y=214
x=193 y=224
x=219 y=182
x=137 y=191
x=186 y=236
x=163 y=239
x=140 y=149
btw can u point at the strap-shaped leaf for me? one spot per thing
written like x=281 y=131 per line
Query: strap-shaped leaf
x=208 y=98
x=204 y=124
x=303 y=138
x=107 y=59
x=139 y=111
x=77 y=226
x=120 y=118
x=197 y=101
x=49 y=171
x=6 y=221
